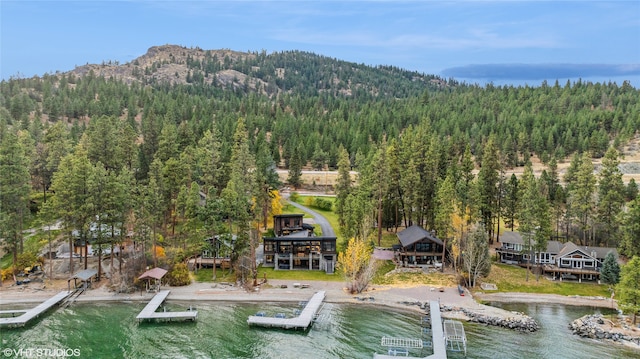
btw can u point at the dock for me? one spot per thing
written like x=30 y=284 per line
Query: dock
x=302 y=321
x=149 y=311
x=29 y=314
x=400 y=346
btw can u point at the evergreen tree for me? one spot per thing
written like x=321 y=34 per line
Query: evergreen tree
x=72 y=200
x=209 y=161
x=631 y=191
x=14 y=190
x=488 y=178
x=295 y=170
x=343 y=184
x=630 y=227
x=510 y=202
x=533 y=216
x=610 y=194
x=237 y=197
x=610 y=272
x=581 y=197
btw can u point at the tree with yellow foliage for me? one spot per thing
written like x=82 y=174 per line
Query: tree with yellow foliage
x=357 y=265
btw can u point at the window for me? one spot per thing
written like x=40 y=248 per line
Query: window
x=423 y=247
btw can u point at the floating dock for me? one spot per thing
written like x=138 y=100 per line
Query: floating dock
x=149 y=312
x=29 y=314
x=400 y=346
x=302 y=321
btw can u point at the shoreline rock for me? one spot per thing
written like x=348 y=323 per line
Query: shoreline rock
x=519 y=321
x=595 y=326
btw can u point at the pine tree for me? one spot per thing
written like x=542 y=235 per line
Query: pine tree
x=14 y=190
x=630 y=227
x=237 y=197
x=580 y=199
x=610 y=194
x=488 y=178
x=343 y=184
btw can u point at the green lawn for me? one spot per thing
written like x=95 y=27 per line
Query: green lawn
x=510 y=278
x=205 y=275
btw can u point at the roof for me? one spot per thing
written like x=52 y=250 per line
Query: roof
x=84 y=275
x=290 y=238
x=415 y=234
x=155 y=273
x=511 y=237
x=554 y=247
x=289 y=215
x=600 y=252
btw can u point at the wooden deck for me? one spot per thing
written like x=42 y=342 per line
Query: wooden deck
x=303 y=321
x=437 y=332
x=32 y=313
x=149 y=311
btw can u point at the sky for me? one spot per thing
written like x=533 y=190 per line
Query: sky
x=503 y=42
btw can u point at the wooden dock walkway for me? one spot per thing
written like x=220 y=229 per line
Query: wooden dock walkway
x=303 y=321
x=439 y=344
x=29 y=314
x=149 y=311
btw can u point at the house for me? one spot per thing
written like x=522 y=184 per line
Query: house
x=559 y=260
x=514 y=250
x=296 y=247
x=284 y=224
x=217 y=249
x=579 y=262
x=419 y=247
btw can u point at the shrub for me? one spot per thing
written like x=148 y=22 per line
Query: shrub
x=322 y=203
x=178 y=275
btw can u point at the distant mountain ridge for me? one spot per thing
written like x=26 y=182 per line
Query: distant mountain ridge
x=270 y=74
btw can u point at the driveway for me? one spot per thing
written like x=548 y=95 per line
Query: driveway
x=327 y=230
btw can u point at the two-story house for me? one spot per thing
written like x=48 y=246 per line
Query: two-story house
x=559 y=260
x=295 y=246
x=419 y=247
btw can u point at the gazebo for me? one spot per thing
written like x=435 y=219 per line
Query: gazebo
x=153 y=274
x=85 y=277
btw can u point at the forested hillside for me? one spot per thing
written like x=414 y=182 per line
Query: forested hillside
x=178 y=121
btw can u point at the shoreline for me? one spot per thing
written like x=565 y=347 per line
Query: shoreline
x=574 y=300
x=411 y=298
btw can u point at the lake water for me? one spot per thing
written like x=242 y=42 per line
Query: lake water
x=110 y=330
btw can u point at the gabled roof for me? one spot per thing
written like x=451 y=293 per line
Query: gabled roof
x=415 y=234
x=155 y=273
x=597 y=253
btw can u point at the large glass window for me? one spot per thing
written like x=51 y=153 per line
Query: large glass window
x=424 y=247
x=328 y=246
x=284 y=247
